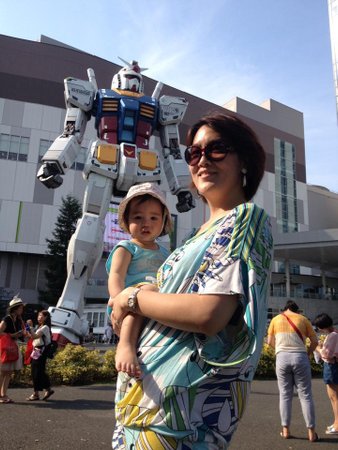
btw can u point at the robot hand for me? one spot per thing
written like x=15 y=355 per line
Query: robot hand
x=50 y=175
x=185 y=201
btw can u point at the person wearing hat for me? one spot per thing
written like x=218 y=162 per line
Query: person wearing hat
x=145 y=215
x=13 y=325
x=205 y=327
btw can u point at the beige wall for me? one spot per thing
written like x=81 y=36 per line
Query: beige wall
x=322 y=207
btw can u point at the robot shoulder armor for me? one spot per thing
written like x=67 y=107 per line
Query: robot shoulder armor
x=79 y=93
x=171 y=109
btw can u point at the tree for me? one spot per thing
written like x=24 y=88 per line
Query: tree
x=56 y=272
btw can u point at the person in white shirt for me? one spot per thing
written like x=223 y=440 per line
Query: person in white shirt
x=41 y=338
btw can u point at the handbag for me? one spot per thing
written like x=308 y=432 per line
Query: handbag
x=36 y=353
x=9 y=349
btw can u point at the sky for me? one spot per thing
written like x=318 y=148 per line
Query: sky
x=216 y=50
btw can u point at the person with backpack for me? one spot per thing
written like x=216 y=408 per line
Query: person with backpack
x=42 y=338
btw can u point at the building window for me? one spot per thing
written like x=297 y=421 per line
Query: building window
x=14 y=148
x=286 y=192
x=44 y=146
x=96 y=319
x=80 y=160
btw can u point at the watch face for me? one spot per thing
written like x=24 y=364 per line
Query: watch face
x=132 y=299
x=132 y=302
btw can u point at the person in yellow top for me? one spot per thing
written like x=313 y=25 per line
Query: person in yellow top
x=287 y=334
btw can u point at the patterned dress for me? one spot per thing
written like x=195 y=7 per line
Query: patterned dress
x=194 y=388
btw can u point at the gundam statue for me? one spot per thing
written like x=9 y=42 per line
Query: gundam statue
x=125 y=119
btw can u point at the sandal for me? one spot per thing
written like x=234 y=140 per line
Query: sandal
x=331 y=430
x=6 y=400
x=316 y=438
x=32 y=398
x=285 y=435
x=48 y=394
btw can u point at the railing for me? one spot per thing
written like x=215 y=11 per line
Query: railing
x=309 y=295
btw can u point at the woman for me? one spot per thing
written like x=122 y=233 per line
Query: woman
x=200 y=348
x=13 y=325
x=41 y=338
x=287 y=334
x=328 y=351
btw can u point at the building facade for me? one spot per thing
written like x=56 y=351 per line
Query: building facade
x=32 y=113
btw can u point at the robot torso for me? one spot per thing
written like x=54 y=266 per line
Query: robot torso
x=124 y=116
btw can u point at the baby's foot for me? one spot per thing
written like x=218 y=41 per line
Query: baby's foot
x=126 y=360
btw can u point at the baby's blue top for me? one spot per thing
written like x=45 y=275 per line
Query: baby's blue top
x=144 y=263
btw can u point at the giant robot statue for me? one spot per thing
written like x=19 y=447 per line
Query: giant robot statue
x=125 y=119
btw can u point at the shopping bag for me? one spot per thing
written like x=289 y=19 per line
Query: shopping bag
x=29 y=349
x=9 y=349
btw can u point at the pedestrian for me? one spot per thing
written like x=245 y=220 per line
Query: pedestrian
x=108 y=334
x=145 y=215
x=202 y=341
x=42 y=337
x=11 y=326
x=287 y=334
x=328 y=351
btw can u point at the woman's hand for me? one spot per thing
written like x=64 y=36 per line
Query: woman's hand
x=120 y=308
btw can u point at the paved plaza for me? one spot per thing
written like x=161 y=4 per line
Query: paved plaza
x=82 y=418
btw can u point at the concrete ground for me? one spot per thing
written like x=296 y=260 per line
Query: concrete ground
x=81 y=417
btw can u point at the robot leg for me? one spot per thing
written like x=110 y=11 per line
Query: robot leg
x=84 y=253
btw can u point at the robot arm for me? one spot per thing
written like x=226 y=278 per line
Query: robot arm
x=171 y=112
x=79 y=97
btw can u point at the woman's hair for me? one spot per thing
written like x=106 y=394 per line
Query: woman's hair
x=322 y=321
x=46 y=314
x=242 y=138
x=291 y=305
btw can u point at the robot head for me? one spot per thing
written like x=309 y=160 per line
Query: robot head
x=129 y=78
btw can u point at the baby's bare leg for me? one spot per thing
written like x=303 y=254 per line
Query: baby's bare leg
x=125 y=358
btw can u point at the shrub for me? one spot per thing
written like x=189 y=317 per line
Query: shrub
x=107 y=369
x=78 y=365
x=266 y=364
x=73 y=365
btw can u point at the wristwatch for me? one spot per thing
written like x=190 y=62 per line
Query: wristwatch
x=132 y=299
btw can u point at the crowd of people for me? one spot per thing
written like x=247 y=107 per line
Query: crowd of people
x=191 y=324
x=12 y=329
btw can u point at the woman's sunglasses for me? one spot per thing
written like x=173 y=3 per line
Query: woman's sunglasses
x=214 y=151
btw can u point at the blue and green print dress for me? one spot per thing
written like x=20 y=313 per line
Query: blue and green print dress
x=194 y=388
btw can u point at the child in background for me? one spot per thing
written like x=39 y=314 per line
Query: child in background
x=329 y=353
x=144 y=214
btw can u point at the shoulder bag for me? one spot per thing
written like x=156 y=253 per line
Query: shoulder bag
x=294 y=327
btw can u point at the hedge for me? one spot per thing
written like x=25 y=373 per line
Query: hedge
x=74 y=365
x=77 y=365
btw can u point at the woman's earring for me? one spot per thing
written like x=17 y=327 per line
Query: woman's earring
x=244 y=172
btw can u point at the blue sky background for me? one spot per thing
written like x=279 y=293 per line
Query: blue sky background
x=216 y=49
